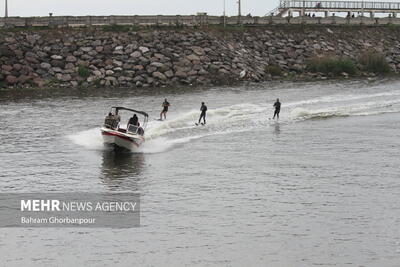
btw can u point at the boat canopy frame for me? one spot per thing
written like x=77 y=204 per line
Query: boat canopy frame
x=132 y=110
x=144 y=114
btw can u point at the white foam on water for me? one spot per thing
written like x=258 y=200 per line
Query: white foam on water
x=355 y=109
x=90 y=139
x=341 y=98
x=215 y=117
x=162 y=144
x=163 y=135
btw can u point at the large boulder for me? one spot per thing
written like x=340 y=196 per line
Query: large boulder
x=109 y=72
x=136 y=54
x=10 y=79
x=86 y=49
x=157 y=64
x=144 y=49
x=64 y=77
x=30 y=54
x=5 y=51
x=71 y=59
x=181 y=74
x=193 y=57
x=7 y=68
x=198 y=50
x=159 y=75
x=57 y=63
x=45 y=66
x=17 y=67
x=97 y=73
x=56 y=57
x=169 y=74
x=99 y=49
x=96 y=43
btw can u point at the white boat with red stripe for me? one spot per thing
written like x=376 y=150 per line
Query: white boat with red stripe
x=120 y=138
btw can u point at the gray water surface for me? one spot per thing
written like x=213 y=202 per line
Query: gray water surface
x=319 y=187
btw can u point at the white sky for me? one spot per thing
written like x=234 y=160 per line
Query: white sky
x=133 y=7
x=137 y=7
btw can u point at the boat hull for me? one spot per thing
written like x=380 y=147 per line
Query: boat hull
x=120 y=140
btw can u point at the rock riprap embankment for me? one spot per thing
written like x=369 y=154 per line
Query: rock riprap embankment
x=92 y=57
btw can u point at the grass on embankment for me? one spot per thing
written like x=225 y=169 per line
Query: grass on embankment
x=368 y=61
x=332 y=66
x=374 y=62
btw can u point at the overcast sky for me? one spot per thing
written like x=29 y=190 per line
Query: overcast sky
x=134 y=7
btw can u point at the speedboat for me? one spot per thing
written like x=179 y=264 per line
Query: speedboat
x=118 y=137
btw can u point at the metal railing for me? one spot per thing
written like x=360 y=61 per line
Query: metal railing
x=189 y=21
x=345 y=5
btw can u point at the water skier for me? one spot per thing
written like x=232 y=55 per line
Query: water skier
x=165 y=106
x=277 y=107
x=203 y=110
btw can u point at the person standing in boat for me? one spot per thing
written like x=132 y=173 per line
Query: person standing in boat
x=277 y=106
x=109 y=121
x=165 y=106
x=203 y=110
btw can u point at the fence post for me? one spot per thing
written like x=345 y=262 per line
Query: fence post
x=255 y=20
x=88 y=21
x=158 y=20
x=194 y=19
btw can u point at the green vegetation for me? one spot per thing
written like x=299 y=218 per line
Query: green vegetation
x=116 y=28
x=120 y=28
x=332 y=65
x=83 y=71
x=24 y=28
x=392 y=27
x=373 y=61
x=51 y=82
x=273 y=70
x=227 y=28
x=97 y=83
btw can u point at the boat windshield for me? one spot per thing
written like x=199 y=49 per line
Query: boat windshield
x=135 y=129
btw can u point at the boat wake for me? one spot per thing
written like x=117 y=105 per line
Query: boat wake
x=179 y=128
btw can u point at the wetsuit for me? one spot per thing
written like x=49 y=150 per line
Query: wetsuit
x=203 y=113
x=277 y=106
x=165 y=105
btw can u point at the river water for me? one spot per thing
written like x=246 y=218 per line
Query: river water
x=319 y=187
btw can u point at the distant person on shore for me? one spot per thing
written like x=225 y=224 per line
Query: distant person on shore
x=203 y=110
x=277 y=106
x=165 y=106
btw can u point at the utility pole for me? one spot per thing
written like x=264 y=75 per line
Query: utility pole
x=6 y=7
x=239 y=10
x=362 y=9
x=224 y=13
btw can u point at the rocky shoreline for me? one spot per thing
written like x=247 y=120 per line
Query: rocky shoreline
x=94 y=57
